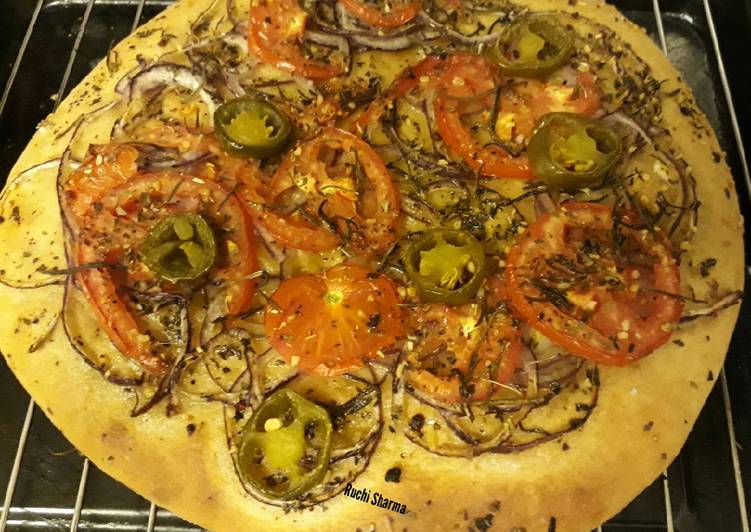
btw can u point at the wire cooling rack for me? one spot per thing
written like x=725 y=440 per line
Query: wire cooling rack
x=49 y=45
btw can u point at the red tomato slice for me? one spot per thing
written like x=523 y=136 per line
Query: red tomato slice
x=528 y=100
x=564 y=279
x=295 y=234
x=113 y=316
x=362 y=209
x=168 y=193
x=491 y=161
x=424 y=76
x=531 y=99
x=116 y=163
x=173 y=193
x=289 y=231
x=332 y=323
x=585 y=98
x=398 y=16
x=461 y=76
x=471 y=79
x=465 y=79
x=462 y=357
x=98 y=175
x=274 y=36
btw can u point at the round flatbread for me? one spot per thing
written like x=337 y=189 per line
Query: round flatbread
x=628 y=427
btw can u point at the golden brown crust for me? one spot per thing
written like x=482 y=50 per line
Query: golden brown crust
x=644 y=414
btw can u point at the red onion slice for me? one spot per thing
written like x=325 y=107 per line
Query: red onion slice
x=167 y=74
x=454 y=35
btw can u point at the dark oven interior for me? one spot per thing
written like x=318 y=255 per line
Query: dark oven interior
x=49 y=45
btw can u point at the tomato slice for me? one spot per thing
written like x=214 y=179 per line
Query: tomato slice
x=294 y=233
x=425 y=74
x=113 y=316
x=274 y=36
x=335 y=177
x=116 y=163
x=332 y=323
x=473 y=79
x=523 y=102
x=583 y=98
x=116 y=226
x=526 y=102
x=611 y=302
x=490 y=161
x=465 y=81
x=175 y=193
x=398 y=16
x=462 y=356
x=460 y=77
x=111 y=167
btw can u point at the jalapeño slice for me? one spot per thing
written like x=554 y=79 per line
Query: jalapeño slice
x=286 y=446
x=181 y=247
x=446 y=266
x=569 y=151
x=252 y=127
x=533 y=46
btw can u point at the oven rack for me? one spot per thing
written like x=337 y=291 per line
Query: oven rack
x=151 y=518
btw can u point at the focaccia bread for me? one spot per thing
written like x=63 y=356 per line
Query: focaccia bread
x=387 y=289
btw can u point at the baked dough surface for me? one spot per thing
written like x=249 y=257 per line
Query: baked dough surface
x=643 y=416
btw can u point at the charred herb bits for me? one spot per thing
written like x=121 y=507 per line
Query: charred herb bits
x=252 y=127
x=393 y=475
x=446 y=266
x=181 y=247
x=286 y=446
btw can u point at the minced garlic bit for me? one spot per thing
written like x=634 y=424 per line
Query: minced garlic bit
x=583 y=301
x=504 y=126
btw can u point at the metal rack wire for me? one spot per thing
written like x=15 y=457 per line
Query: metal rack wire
x=74 y=515
x=10 y=489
